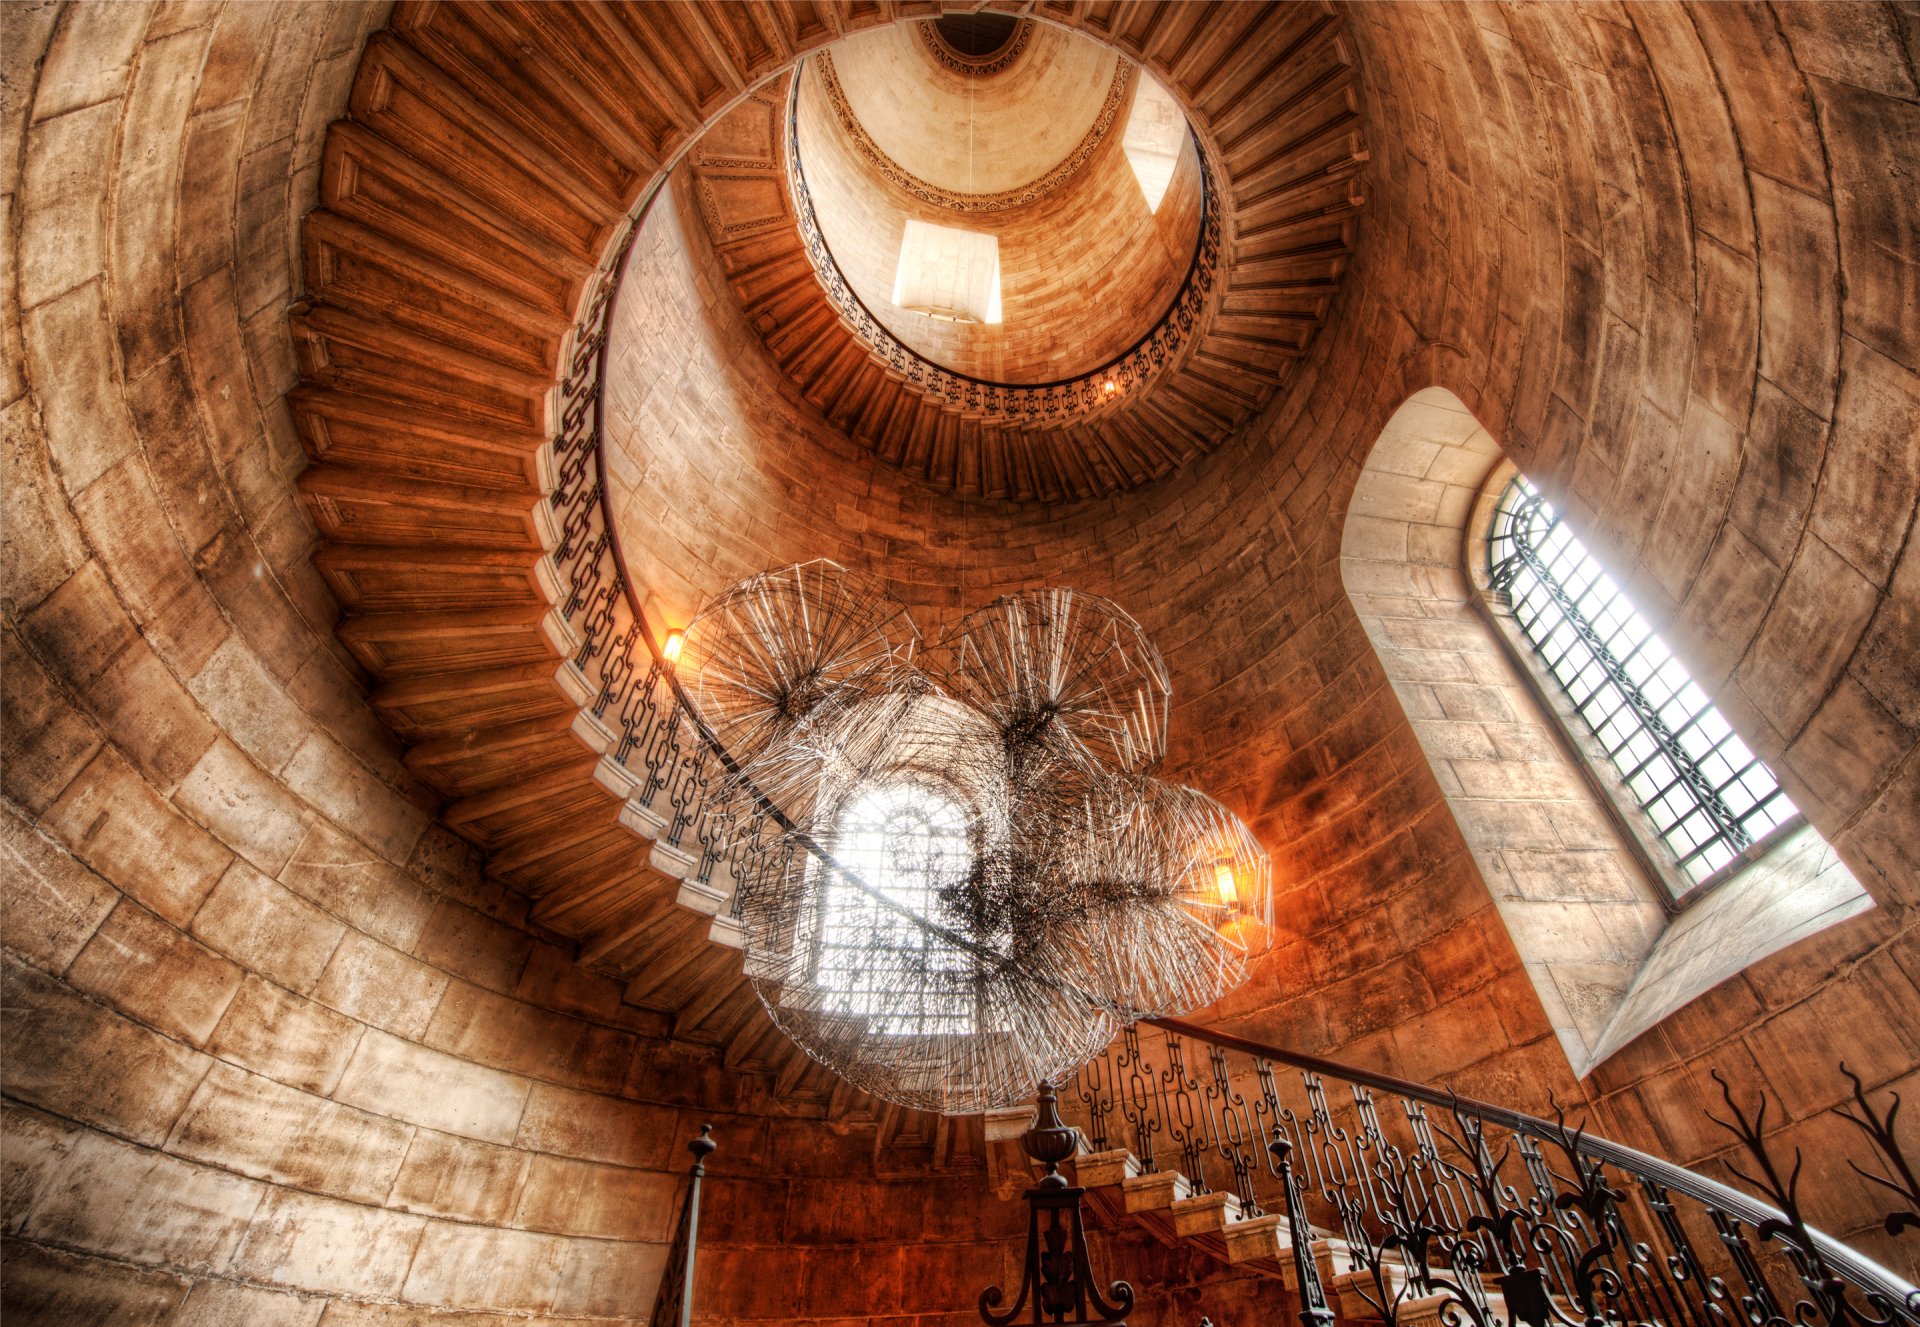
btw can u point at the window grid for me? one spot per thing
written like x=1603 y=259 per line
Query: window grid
x=872 y=960
x=1706 y=795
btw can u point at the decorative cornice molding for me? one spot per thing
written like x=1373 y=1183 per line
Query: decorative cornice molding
x=953 y=200
x=999 y=61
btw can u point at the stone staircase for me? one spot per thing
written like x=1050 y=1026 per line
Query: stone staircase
x=1169 y=1207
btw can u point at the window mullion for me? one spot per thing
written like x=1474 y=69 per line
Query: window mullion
x=1526 y=534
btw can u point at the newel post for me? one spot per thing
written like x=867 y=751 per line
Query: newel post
x=1056 y=1276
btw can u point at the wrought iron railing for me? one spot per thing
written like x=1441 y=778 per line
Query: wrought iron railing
x=1038 y=405
x=1479 y=1215
x=615 y=669
x=673 y=1304
x=1427 y=1206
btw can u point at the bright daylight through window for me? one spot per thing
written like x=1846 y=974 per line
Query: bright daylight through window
x=1155 y=132
x=1708 y=798
x=896 y=840
x=949 y=273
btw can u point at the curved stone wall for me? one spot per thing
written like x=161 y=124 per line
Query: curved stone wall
x=276 y=1051
x=1619 y=241
x=274 y=1040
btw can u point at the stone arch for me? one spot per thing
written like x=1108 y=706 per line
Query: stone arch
x=1579 y=898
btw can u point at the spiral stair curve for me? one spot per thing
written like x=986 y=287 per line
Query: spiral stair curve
x=472 y=205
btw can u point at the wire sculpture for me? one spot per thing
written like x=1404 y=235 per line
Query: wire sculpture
x=977 y=881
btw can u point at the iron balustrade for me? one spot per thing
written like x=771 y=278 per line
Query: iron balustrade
x=1425 y=1206
x=1477 y=1214
x=614 y=660
x=673 y=1304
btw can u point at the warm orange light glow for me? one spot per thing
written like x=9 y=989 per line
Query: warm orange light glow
x=671 y=648
x=1223 y=881
x=1241 y=931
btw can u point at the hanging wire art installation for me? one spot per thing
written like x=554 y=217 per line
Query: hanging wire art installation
x=972 y=879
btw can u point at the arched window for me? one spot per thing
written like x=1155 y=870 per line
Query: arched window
x=1710 y=806
x=1555 y=724
x=898 y=840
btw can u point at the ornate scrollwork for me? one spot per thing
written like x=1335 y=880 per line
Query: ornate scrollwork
x=983 y=67
x=952 y=199
x=1056 y=1277
x=1472 y=1216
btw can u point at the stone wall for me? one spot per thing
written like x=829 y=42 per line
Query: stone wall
x=275 y=1050
x=1596 y=228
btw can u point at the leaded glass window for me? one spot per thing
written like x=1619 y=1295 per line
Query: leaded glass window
x=1705 y=795
x=899 y=843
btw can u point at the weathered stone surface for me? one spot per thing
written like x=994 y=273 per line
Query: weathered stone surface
x=1605 y=228
x=37 y=1146
x=410 y=1082
x=241 y=1121
x=1872 y=486
x=57 y=1044
x=333 y=781
x=49 y=903
x=268 y=928
x=444 y=1175
x=597 y=1128
x=323 y=1245
x=230 y=1304
x=242 y=806
x=1811 y=630
x=157 y=974
x=382 y=987
x=113 y=820
x=47 y=1285
x=146 y=1207
x=41 y=542
x=284 y=1037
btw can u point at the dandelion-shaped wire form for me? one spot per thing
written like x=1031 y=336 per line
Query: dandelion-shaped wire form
x=977 y=880
x=871 y=948
x=1059 y=667
x=1167 y=882
x=783 y=651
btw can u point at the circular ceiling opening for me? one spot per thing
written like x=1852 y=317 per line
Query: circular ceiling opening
x=976 y=36
x=1024 y=226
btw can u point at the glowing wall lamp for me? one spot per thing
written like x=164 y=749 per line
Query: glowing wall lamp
x=1224 y=883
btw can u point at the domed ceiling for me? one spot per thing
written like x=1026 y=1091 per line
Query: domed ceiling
x=1133 y=320
x=978 y=126
x=1024 y=146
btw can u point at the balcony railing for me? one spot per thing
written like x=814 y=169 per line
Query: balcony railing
x=1414 y=1203
x=1422 y=1206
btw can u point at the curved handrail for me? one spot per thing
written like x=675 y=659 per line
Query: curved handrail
x=1044 y=404
x=590 y=572
x=1862 y=1271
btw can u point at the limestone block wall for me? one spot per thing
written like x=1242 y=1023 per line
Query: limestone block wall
x=276 y=1051
x=262 y=1008
x=1619 y=235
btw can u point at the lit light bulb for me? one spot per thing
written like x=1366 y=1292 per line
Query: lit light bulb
x=1223 y=881
x=671 y=648
x=1112 y=387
